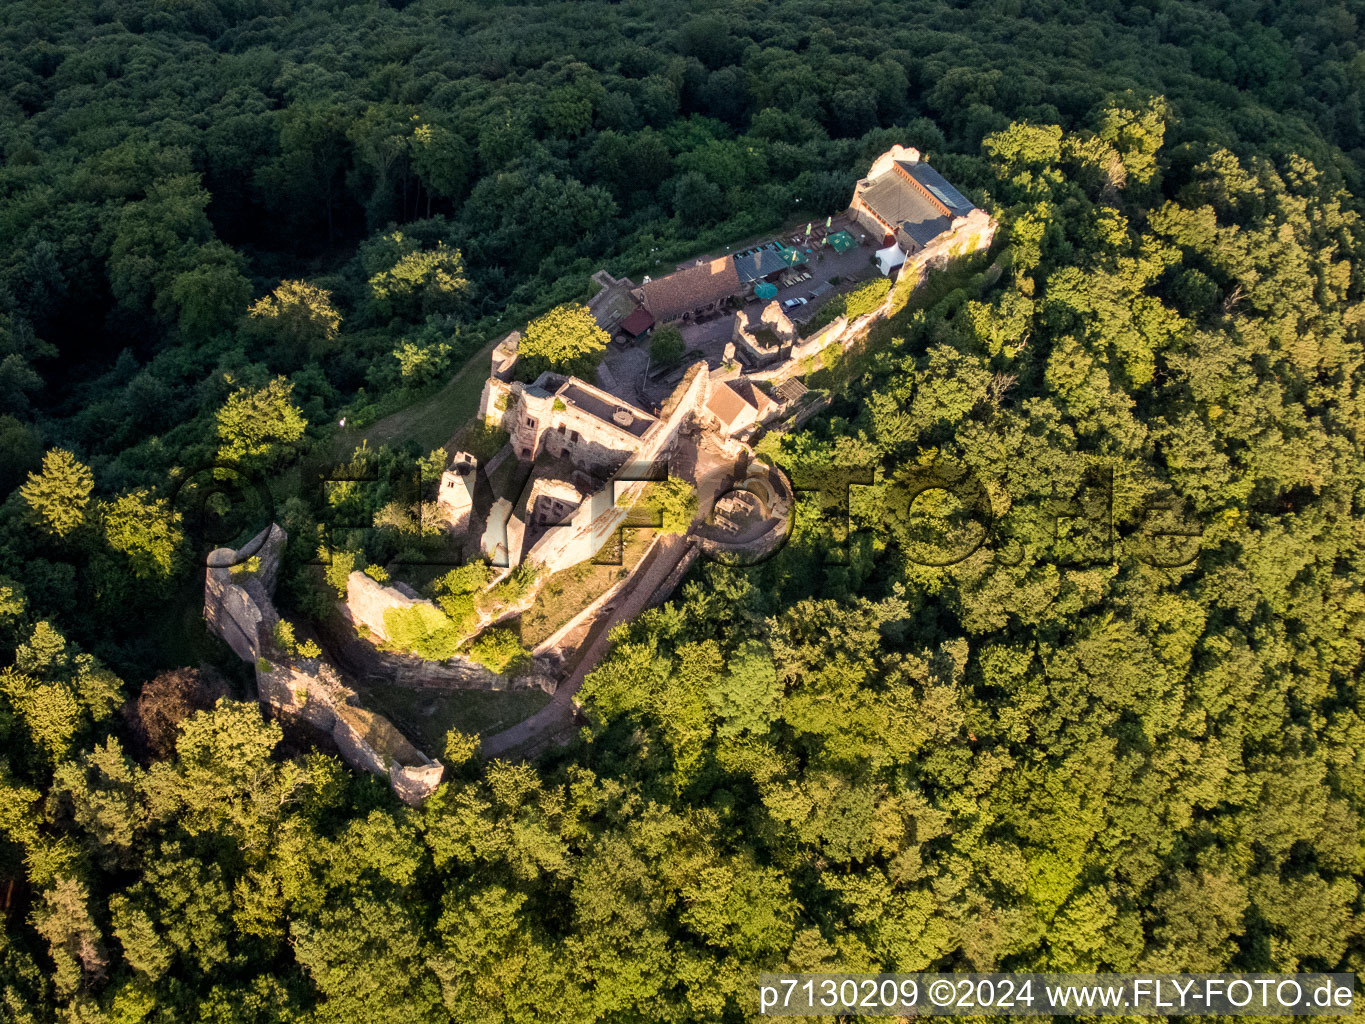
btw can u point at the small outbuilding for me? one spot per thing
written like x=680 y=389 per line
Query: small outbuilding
x=738 y=404
x=890 y=258
x=638 y=323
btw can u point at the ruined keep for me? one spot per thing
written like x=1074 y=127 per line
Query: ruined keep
x=591 y=453
x=763 y=338
x=239 y=587
x=455 y=496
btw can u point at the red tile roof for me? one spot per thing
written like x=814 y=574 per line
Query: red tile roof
x=638 y=322
x=691 y=288
x=730 y=400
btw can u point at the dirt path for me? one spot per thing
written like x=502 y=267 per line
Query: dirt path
x=550 y=723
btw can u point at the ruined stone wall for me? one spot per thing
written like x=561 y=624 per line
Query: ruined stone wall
x=603 y=513
x=367 y=600
x=670 y=582
x=237 y=603
x=972 y=233
x=495 y=401
x=771 y=318
x=239 y=607
x=503 y=535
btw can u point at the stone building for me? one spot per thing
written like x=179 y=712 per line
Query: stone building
x=567 y=418
x=737 y=405
x=505 y=355
x=693 y=291
x=589 y=454
x=907 y=204
x=614 y=301
x=455 y=496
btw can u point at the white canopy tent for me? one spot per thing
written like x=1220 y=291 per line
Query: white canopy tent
x=889 y=259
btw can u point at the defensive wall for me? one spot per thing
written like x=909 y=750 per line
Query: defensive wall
x=239 y=606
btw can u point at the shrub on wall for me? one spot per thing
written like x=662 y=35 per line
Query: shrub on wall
x=422 y=630
x=867 y=298
x=498 y=650
x=516 y=586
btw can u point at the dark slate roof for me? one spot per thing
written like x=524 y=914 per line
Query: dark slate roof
x=924 y=232
x=938 y=186
x=757 y=265
x=638 y=322
x=898 y=202
x=691 y=288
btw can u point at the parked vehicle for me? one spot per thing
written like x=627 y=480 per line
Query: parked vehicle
x=793 y=303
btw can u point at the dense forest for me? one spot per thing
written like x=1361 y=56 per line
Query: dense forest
x=226 y=224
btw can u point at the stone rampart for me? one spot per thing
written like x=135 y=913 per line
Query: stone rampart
x=239 y=606
x=969 y=234
x=366 y=602
x=238 y=589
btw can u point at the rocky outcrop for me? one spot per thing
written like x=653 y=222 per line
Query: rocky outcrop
x=239 y=588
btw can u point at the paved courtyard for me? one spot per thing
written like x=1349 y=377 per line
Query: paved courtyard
x=628 y=365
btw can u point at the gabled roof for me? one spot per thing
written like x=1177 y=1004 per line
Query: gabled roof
x=896 y=201
x=748 y=391
x=638 y=322
x=938 y=187
x=730 y=400
x=691 y=288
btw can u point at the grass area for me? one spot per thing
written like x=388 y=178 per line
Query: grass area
x=427 y=715
x=567 y=593
x=479 y=440
x=434 y=420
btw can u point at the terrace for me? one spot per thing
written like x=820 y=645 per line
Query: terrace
x=620 y=415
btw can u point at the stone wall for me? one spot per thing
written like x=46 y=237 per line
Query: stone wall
x=973 y=233
x=239 y=607
x=594 y=522
x=770 y=318
x=237 y=602
x=367 y=601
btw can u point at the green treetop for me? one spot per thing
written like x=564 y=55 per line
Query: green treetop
x=298 y=314
x=566 y=340
x=257 y=425
x=59 y=494
x=409 y=281
x=147 y=530
x=667 y=347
